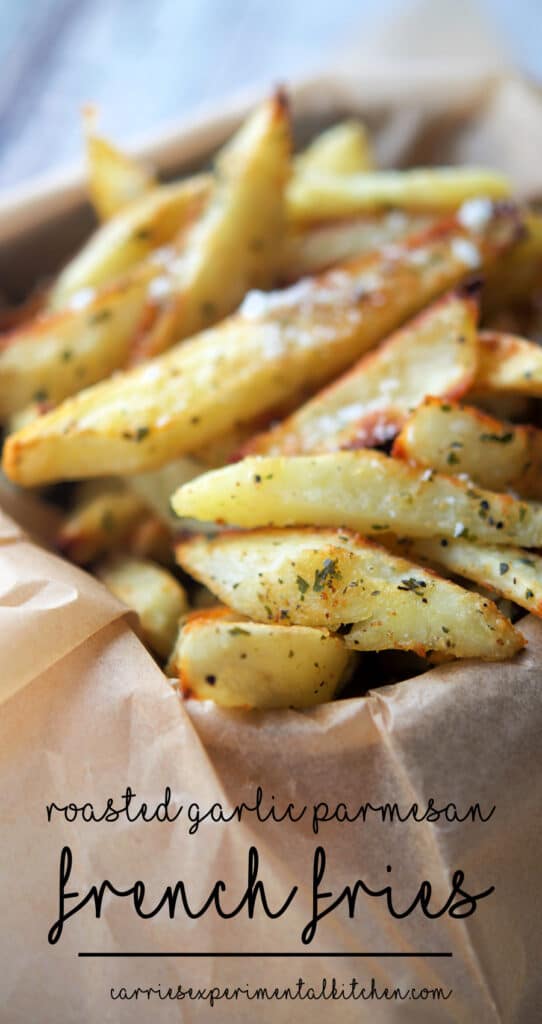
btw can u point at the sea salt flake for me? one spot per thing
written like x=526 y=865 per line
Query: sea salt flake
x=82 y=298
x=475 y=213
x=159 y=288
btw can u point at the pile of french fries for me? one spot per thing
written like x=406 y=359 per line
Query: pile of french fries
x=326 y=359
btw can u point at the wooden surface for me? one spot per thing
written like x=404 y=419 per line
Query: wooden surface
x=145 y=62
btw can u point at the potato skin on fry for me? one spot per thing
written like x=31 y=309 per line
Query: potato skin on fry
x=241 y=664
x=276 y=349
x=436 y=353
x=336 y=578
x=460 y=439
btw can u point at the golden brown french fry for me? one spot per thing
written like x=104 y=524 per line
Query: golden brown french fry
x=345 y=148
x=151 y=538
x=277 y=349
x=236 y=244
x=477 y=631
x=363 y=490
x=514 y=573
x=155 y=217
x=115 y=179
x=514 y=279
x=60 y=353
x=101 y=520
x=460 y=439
x=310 y=249
x=224 y=657
x=335 y=578
x=318 y=195
x=129 y=236
x=436 y=353
x=12 y=317
x=153 y=593
x=28 y=414
x=509 y=364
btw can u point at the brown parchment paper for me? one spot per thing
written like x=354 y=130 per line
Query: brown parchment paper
x=85 y=713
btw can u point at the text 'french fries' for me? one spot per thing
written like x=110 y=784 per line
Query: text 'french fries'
x=242 y=664
x=460 y=439
x=278 y=348
x=336 y=578
x=363 y=490
x=437 y=353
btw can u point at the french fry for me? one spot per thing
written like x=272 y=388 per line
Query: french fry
x=434 y=354
x=477 y=631
x=101 y=520
x=153 y=593
x=460 y=439
x=115 y=179
x=509 y=364
x=327 y=578
x=241 y=664
x=130 y=235
x=276 y=350
x=318 y=195
x=310 y=249
x=28 y=414
x=156 y=487
x=151 y=538
x=511 y=572
x=58 y=354
x=345 y=148
x=236 y=244
x=363 y=490
x=159 y=214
